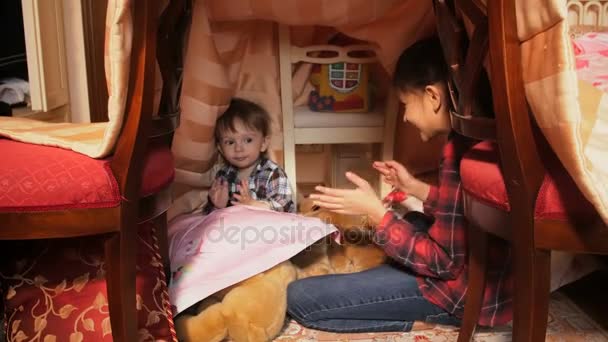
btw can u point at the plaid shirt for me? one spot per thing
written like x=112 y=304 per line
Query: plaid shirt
x=267 y=182
x=438 y=255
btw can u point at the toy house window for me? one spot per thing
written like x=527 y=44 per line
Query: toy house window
x=344 y=77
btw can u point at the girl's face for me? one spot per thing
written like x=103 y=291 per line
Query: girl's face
x=243 y=147
x=427 y=109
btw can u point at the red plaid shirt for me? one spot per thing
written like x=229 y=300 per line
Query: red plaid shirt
x=438 y=255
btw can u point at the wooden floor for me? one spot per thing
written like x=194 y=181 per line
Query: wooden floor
x=590 y=294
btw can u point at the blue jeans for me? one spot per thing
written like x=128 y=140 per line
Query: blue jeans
x=385 y=298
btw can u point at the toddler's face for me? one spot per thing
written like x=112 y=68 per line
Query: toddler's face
x=242 y=147
x=427 y=110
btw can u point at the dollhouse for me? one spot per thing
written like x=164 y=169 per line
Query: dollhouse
x=330 y=119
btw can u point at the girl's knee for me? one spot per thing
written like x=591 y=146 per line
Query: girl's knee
x=299 y=303
x=295 y=292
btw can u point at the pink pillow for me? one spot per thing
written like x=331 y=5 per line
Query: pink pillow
x=591 y=53
x=210 y=253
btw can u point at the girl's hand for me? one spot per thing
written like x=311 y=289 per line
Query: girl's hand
x=395 y=175
x=244 y=197
x=219 y=193
x=360 y=201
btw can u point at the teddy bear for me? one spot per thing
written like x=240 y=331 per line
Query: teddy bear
x=254 y=310
x=355 y=252
x=250 y=311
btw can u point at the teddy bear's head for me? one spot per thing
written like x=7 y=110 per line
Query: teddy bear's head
x=341 y=221
x=356 y=252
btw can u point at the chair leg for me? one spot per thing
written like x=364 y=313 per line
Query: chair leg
x=477 y=241
x=542 y=289
x=163 y=243
x=531 y=297
x=120 y=255
x=523 y=296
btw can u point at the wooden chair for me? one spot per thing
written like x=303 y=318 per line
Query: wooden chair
x=516 y=165
x=142 y=166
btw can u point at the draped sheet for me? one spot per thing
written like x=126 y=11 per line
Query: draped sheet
x=95 y=140
x=233 y=52
x=575 y=119
x=210 y=253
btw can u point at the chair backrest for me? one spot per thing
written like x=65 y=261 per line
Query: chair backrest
x=141 y=127
x=465 y=58
x=494 y=39
x=172 y=40
x=522 y=168
x=127 y=162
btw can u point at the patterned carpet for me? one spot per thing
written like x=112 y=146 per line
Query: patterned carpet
x=567 y=322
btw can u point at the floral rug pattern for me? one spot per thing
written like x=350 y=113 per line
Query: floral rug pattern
x=567 y=322
x=55 y=290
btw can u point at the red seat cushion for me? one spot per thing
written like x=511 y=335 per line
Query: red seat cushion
x=159 y=170
x=39 y=178
x=558 y=197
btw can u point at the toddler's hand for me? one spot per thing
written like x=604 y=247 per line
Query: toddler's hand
x=244 y=197
x=395 y=175
x=219 y=193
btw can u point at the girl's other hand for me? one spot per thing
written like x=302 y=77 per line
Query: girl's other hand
x=219 y=193
x=395 y=175
x=359 y=201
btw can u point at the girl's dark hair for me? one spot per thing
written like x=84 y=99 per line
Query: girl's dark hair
x=420 y=65
x=252 y=115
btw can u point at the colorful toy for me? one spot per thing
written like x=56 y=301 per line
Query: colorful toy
x=395 y=197
x=340 y=87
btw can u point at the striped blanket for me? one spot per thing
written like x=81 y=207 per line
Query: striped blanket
x=95 y=140
x=233 y=51
x=575 y=120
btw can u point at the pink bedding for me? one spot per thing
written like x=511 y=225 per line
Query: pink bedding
x=591 y=52
x=210 y=253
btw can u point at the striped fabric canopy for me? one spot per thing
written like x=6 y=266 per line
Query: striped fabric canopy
x=233 y=51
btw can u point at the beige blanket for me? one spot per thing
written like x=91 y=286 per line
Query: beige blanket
x=95 y=140
x=235 y=54
x=572 y=115
x=233 y=50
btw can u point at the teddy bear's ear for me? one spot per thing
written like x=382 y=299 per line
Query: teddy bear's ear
x=307 y=207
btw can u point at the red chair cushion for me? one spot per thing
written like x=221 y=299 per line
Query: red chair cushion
x=56 y=290
x=558 y=197
x=36 y=178
x=39 y=178
x=159 y=170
